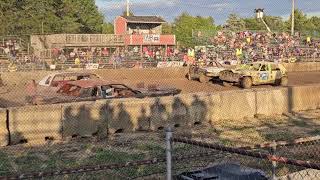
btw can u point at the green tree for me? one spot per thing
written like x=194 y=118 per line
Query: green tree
x=275 y=23
x=235 y=23
x=187 y=27
x=313 y=26
x=50 y=16
x=167 y=28
x=83 y=14
x=108 y=28
x=300 y=20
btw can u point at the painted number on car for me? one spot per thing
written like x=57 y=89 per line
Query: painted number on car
x=264 y=76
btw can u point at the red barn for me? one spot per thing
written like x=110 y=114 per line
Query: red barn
x=143 y=32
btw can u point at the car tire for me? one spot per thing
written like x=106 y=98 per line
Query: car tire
x=203 y=78
x=246 y=82
x=284 y=81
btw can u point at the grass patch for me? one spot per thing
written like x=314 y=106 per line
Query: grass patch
x=154 y=150
x=280 y=136
x=315 y=132
x=4 y=163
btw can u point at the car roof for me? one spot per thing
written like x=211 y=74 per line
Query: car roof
x=91 y=83
x=71 y=73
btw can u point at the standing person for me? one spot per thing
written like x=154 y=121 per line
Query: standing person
x=77 y=61
x=31 y=90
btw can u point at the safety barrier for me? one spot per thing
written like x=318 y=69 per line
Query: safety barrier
x=4 y=135
x=34 y=124
x=38 y=124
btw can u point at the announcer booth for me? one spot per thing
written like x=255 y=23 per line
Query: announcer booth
x=143 y=34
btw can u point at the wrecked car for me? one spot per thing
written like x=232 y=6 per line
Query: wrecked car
x=256 y=73
x=60 y=78
x=92 y=90
x=205 y=73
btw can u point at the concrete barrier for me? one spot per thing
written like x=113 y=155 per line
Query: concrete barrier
x=233 y=105
x=318 y=67
x=4 y=135
x=80 y=119
x=272 y=101
x=302 y=67
x=35 y=124
x=304 y=97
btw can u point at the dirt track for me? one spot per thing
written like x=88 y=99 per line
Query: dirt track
x=14 y=93
x=295 y=79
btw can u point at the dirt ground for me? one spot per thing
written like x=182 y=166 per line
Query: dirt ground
x=13 y=94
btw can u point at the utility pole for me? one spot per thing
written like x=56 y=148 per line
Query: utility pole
x=128 y=9
x=42 y=30
x=292 y=19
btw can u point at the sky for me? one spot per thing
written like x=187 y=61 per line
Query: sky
x=218 y=9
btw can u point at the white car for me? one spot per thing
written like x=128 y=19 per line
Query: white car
x=52 y=82
x=205 y=73
x=60 y=78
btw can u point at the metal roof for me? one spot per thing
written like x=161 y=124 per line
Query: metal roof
x=144 y=19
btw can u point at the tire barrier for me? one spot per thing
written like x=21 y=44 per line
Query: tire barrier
x=38 y=124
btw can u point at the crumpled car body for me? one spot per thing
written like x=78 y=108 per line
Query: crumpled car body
x=206 y=72
x=257 y=73
x=92 y=90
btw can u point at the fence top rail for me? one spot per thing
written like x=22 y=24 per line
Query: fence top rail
x=249 y=153
x=298 y=141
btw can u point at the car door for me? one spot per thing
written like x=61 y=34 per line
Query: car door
x=264 y=74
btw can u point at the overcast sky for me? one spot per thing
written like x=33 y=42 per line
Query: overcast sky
x=218 y=9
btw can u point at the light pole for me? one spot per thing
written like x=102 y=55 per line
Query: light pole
x=292 y=19
x=128 y=9
x=259 y=14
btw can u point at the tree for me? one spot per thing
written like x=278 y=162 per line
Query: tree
x=275 y=23
x=187 y=27
x=299 y=21
x=83 y=14
x=49 y=16
x=235 y=23
x=313 y=25
x=108 y=28
x=167 y=28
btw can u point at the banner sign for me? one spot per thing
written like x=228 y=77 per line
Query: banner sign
x=92 y=66
x=165 y=64
x=151 y=38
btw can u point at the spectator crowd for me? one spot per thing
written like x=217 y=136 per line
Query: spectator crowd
x=225 y=47
x=253 y=46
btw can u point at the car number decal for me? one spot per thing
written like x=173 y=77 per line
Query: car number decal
x=264 y=76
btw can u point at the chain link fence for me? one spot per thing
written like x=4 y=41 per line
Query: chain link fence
x=90 y=130
x=159 y=155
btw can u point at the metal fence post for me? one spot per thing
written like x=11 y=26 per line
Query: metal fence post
x=168 y=152
x=274 y=163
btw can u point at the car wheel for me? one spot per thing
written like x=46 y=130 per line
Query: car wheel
x=284 y=81
x=203 y=78
x=246 y=82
